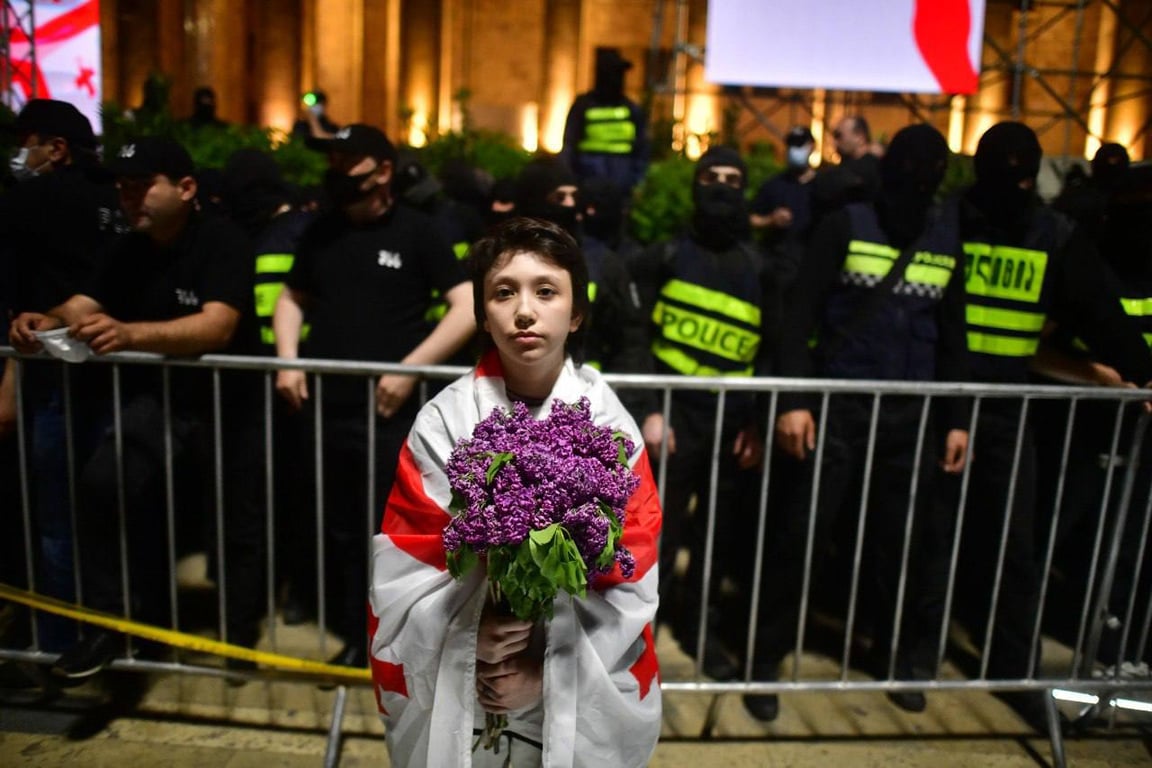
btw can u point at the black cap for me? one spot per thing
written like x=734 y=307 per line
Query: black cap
x=716 y=156
x=358 y=139
x=799 y=136
x=49 y=117
x=150 y=155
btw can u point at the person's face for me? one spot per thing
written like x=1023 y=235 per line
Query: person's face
x=849 y=142
x=528 y=311
x=42 y=151
x=373 y=175
x=154 y=204
x=564 y=195
x=729 y=175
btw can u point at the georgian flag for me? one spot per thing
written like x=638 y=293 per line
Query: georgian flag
x=602 y=702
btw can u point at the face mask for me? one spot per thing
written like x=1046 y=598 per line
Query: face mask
x=344 y=189
x=721 y=215
x=18 y=165
x=798 y=157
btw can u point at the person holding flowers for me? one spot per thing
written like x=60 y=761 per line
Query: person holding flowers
x=514 y=581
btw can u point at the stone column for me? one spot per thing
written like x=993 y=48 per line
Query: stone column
x=561 y=57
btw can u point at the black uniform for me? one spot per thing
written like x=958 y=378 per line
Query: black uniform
x=368 y=289
x=913 y=331
x=1025 y=266
x=140 y=281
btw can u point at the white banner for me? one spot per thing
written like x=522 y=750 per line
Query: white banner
x=901 y=46
x=67 y=47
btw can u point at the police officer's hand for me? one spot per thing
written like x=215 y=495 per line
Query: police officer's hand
x=392 y=391
x=104 y=333
x=955 y=451
x=796 y=433
x=293 y=387
x=653 y=433
x=22 y=332
x=748 y=448
x=781 y=218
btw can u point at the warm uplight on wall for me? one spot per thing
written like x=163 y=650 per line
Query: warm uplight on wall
x=529 y=126
x=418 y=129
x=279 y=115
x=701 y=112
x=956 y=123
x=553 y=138
x=983 y=121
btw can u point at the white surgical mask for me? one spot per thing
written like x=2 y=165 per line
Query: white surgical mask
x=18 y=165
x=797 y=157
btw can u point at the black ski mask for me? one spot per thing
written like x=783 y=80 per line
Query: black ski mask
x=910 y=173
x=535 y=188
x=1007 y=156
x=610 y=69
x=602 y=202
x=720 y=217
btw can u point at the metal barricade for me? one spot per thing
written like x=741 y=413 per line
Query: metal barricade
x=1117 y=541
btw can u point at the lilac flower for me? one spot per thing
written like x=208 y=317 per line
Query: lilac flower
x=564 y=478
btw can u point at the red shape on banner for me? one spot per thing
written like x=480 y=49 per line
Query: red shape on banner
x=941 y=28
x=84 y=78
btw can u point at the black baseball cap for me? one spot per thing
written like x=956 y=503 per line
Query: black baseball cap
x=358 y=139
x=49 y=117
x=150 y=155
x=799 y=136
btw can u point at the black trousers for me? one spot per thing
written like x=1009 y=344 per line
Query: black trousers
x=348 y=523
x=835 y=525
x=988 y=514
x=689 y=473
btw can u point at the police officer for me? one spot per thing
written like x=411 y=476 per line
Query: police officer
x=706 y=299
x=1027 y=268
x=881 y=290
x=606 y=133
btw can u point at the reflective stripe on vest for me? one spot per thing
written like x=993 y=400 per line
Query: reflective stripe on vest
x=682 y=363
x=1003 y=286
x=274 y=263
x=461 y=249
x=1141 y=310
x=735 y=338
x=872 y=261
x=592 y=293
x=609 y=130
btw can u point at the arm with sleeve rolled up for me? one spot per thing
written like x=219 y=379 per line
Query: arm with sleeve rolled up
x=208 y=330
x=449 y=335
x=287 y=320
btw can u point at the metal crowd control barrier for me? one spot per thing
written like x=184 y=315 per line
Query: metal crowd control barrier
x=1115 y=548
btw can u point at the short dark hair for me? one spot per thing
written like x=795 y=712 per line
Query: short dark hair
x=550 y=242
x=861 y=126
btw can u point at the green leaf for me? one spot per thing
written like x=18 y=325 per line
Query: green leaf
x=498 y=460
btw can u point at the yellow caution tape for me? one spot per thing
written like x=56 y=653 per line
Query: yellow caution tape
x=182 y=640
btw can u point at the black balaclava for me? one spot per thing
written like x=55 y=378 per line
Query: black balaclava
x=1126 y=241
x=536 y=182
x=610 y=69
x=1109 y=166
x=204 y=106
x=601 y=200
x=1008 y=153
x=910 y=173
x=253 y=189
x=720 y=217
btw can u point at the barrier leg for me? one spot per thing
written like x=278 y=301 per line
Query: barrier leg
x=1055 y=734
x=332 y=751
x=712 y=716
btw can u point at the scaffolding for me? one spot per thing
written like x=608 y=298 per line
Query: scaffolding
x=1068 y=105
x=19 y=77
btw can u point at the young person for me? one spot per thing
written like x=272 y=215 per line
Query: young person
x=578 y=689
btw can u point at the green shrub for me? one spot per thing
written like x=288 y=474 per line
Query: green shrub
x=662 y=203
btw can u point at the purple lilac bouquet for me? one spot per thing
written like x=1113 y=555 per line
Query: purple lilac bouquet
x=542 y=503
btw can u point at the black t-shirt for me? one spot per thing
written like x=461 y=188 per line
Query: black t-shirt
x=54 y=229
x=368 y=288
x=140 y=281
